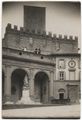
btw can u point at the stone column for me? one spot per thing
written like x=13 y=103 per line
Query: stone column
x=7 y=83
x=31 y=84
x=51 y=83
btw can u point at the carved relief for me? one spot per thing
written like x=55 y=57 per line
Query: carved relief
x=31 y=41
x=57 y=46
x=61 y=64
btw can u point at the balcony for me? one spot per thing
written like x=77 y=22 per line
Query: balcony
x=26 y=56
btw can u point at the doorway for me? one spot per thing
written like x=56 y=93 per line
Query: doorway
x=61 y=96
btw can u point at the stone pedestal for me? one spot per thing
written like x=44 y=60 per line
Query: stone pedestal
x=25 y=97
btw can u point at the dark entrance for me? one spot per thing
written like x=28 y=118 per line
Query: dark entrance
x=61 y=96
x=41 y=87
x=61 y=93
x=17 y=82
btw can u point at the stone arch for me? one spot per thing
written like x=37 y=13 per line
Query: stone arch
x=61 y=90
x=18 y=77
x=46 y=72
x=41 y=87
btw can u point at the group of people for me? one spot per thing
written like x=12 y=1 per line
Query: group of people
x=37 y=51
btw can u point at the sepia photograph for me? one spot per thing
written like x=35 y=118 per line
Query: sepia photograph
x=41 y=59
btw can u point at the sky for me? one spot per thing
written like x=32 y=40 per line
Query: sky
x=61 y=17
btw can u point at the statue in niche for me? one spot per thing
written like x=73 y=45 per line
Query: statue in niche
x=25 y=99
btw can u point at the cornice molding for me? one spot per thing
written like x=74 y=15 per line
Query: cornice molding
x=27 y=60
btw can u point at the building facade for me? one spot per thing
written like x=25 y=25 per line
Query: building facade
x=50 y=64
x=38 y=67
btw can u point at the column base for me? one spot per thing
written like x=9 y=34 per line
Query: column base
x=7 y=99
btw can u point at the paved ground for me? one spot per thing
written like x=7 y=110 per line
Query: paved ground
x=67 y=111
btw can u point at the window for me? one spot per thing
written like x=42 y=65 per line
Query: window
x=72 y=74
x=61 y=75
x=61 y=64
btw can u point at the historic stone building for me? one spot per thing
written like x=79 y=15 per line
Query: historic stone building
x=45 y=65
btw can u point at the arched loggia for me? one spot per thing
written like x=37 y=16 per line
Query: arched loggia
x=17 y=81
x=41 y=87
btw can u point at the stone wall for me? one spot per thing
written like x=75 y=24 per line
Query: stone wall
x=48 y=43
x=67 y=68
x=71 y=90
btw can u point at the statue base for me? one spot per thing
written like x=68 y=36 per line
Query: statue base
x=26 y=98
